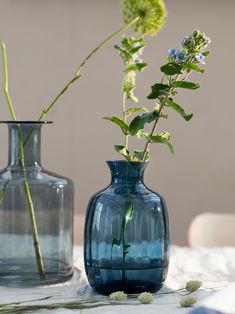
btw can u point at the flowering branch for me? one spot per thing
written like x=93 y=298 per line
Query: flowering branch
x=115 y=298
x=180 y=64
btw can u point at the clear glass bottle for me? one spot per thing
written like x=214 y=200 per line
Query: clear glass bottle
x=126 y=234
x=53 y=201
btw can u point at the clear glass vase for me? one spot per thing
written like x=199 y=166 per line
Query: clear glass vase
x=126 y=234
x=51 y=198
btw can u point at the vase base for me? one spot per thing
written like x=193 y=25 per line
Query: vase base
x=106 y=281
x=23 y=274
x=129 y=287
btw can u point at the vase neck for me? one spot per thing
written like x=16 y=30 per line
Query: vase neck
x=30 y=135
x=126 y=172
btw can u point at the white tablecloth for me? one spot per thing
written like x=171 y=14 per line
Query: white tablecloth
x=214 y=266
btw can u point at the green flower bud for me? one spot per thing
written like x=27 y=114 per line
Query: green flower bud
x=146 y=297
x=118 y=296
x=196 y=33
x=152 y=14
x=193 y=285
x=188 y=301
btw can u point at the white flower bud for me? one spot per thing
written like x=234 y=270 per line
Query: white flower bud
x=118 y=296
x=146 y=297
x=188 y=301
x=193 y=285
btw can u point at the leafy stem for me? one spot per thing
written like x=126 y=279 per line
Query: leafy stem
x=146 y=148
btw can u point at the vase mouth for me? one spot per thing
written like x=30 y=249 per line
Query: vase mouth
x=25 y=122
x=126 y=161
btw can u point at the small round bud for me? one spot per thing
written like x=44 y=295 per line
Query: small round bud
x=118 y=296
x=146 y=297
x=196 y=33
x=193 y=285
x=188 y=301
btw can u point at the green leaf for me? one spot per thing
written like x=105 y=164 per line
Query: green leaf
x=116 y=242
x=132 y=110
x=205 y=53
x=127 y=87
x=136 y=49
x=122 y=124
x=138 y=66
x=139 y=122
x=159 y=138
x=192 y=66
x=185 y=84
x=125 y=54
x=139 y=154
x=179 y=110
x=123 y=151
x=158 y=90
x=171 y=68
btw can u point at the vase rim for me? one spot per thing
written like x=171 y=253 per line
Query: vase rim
x=127 y=161
x=25 y=122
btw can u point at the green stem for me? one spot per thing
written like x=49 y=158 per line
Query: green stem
x=79 y=69
x=124 y=117
x=124 y=27
x=21 y=158
x=152 y=132
x=36 y=242
x=68 y=85
x=5 y=88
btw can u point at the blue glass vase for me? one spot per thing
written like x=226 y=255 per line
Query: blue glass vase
x=52 y=197
x=126 y=234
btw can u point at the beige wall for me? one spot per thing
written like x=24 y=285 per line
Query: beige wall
x=47 y=39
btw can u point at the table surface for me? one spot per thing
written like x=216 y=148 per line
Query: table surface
x=214 y=266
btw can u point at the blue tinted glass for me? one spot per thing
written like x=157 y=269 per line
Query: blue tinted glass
x=126 y=234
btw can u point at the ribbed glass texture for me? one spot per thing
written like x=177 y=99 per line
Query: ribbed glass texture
x=52 y=197
x=126 y=234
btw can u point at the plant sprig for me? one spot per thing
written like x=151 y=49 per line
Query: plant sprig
x=115 y=298
x=180 y=64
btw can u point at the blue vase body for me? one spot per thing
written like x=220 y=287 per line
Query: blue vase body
x=126 y=237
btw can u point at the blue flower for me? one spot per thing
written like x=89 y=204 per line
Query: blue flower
x=185 y=41
x=177 y=54
x=180 y=56
x=172 y=52
x=200 y=58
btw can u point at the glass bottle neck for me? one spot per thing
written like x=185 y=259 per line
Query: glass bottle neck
x=125 y=172
x=28 y=137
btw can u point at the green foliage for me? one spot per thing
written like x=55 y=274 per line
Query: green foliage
x=192 y=66
x=122 y=124
x=158 y=89
x=122 y=151
x=162 y=139
x=179 y=110
x=184 y=84
x=130 y=50
x=139 y=155
x=137 y=66
x=171 y=68
x=139 y=122
x=128 y=87
x=180 y=64
x=130 y=111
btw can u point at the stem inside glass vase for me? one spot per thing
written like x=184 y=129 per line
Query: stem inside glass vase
x=22 y=138
x=127 y=173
